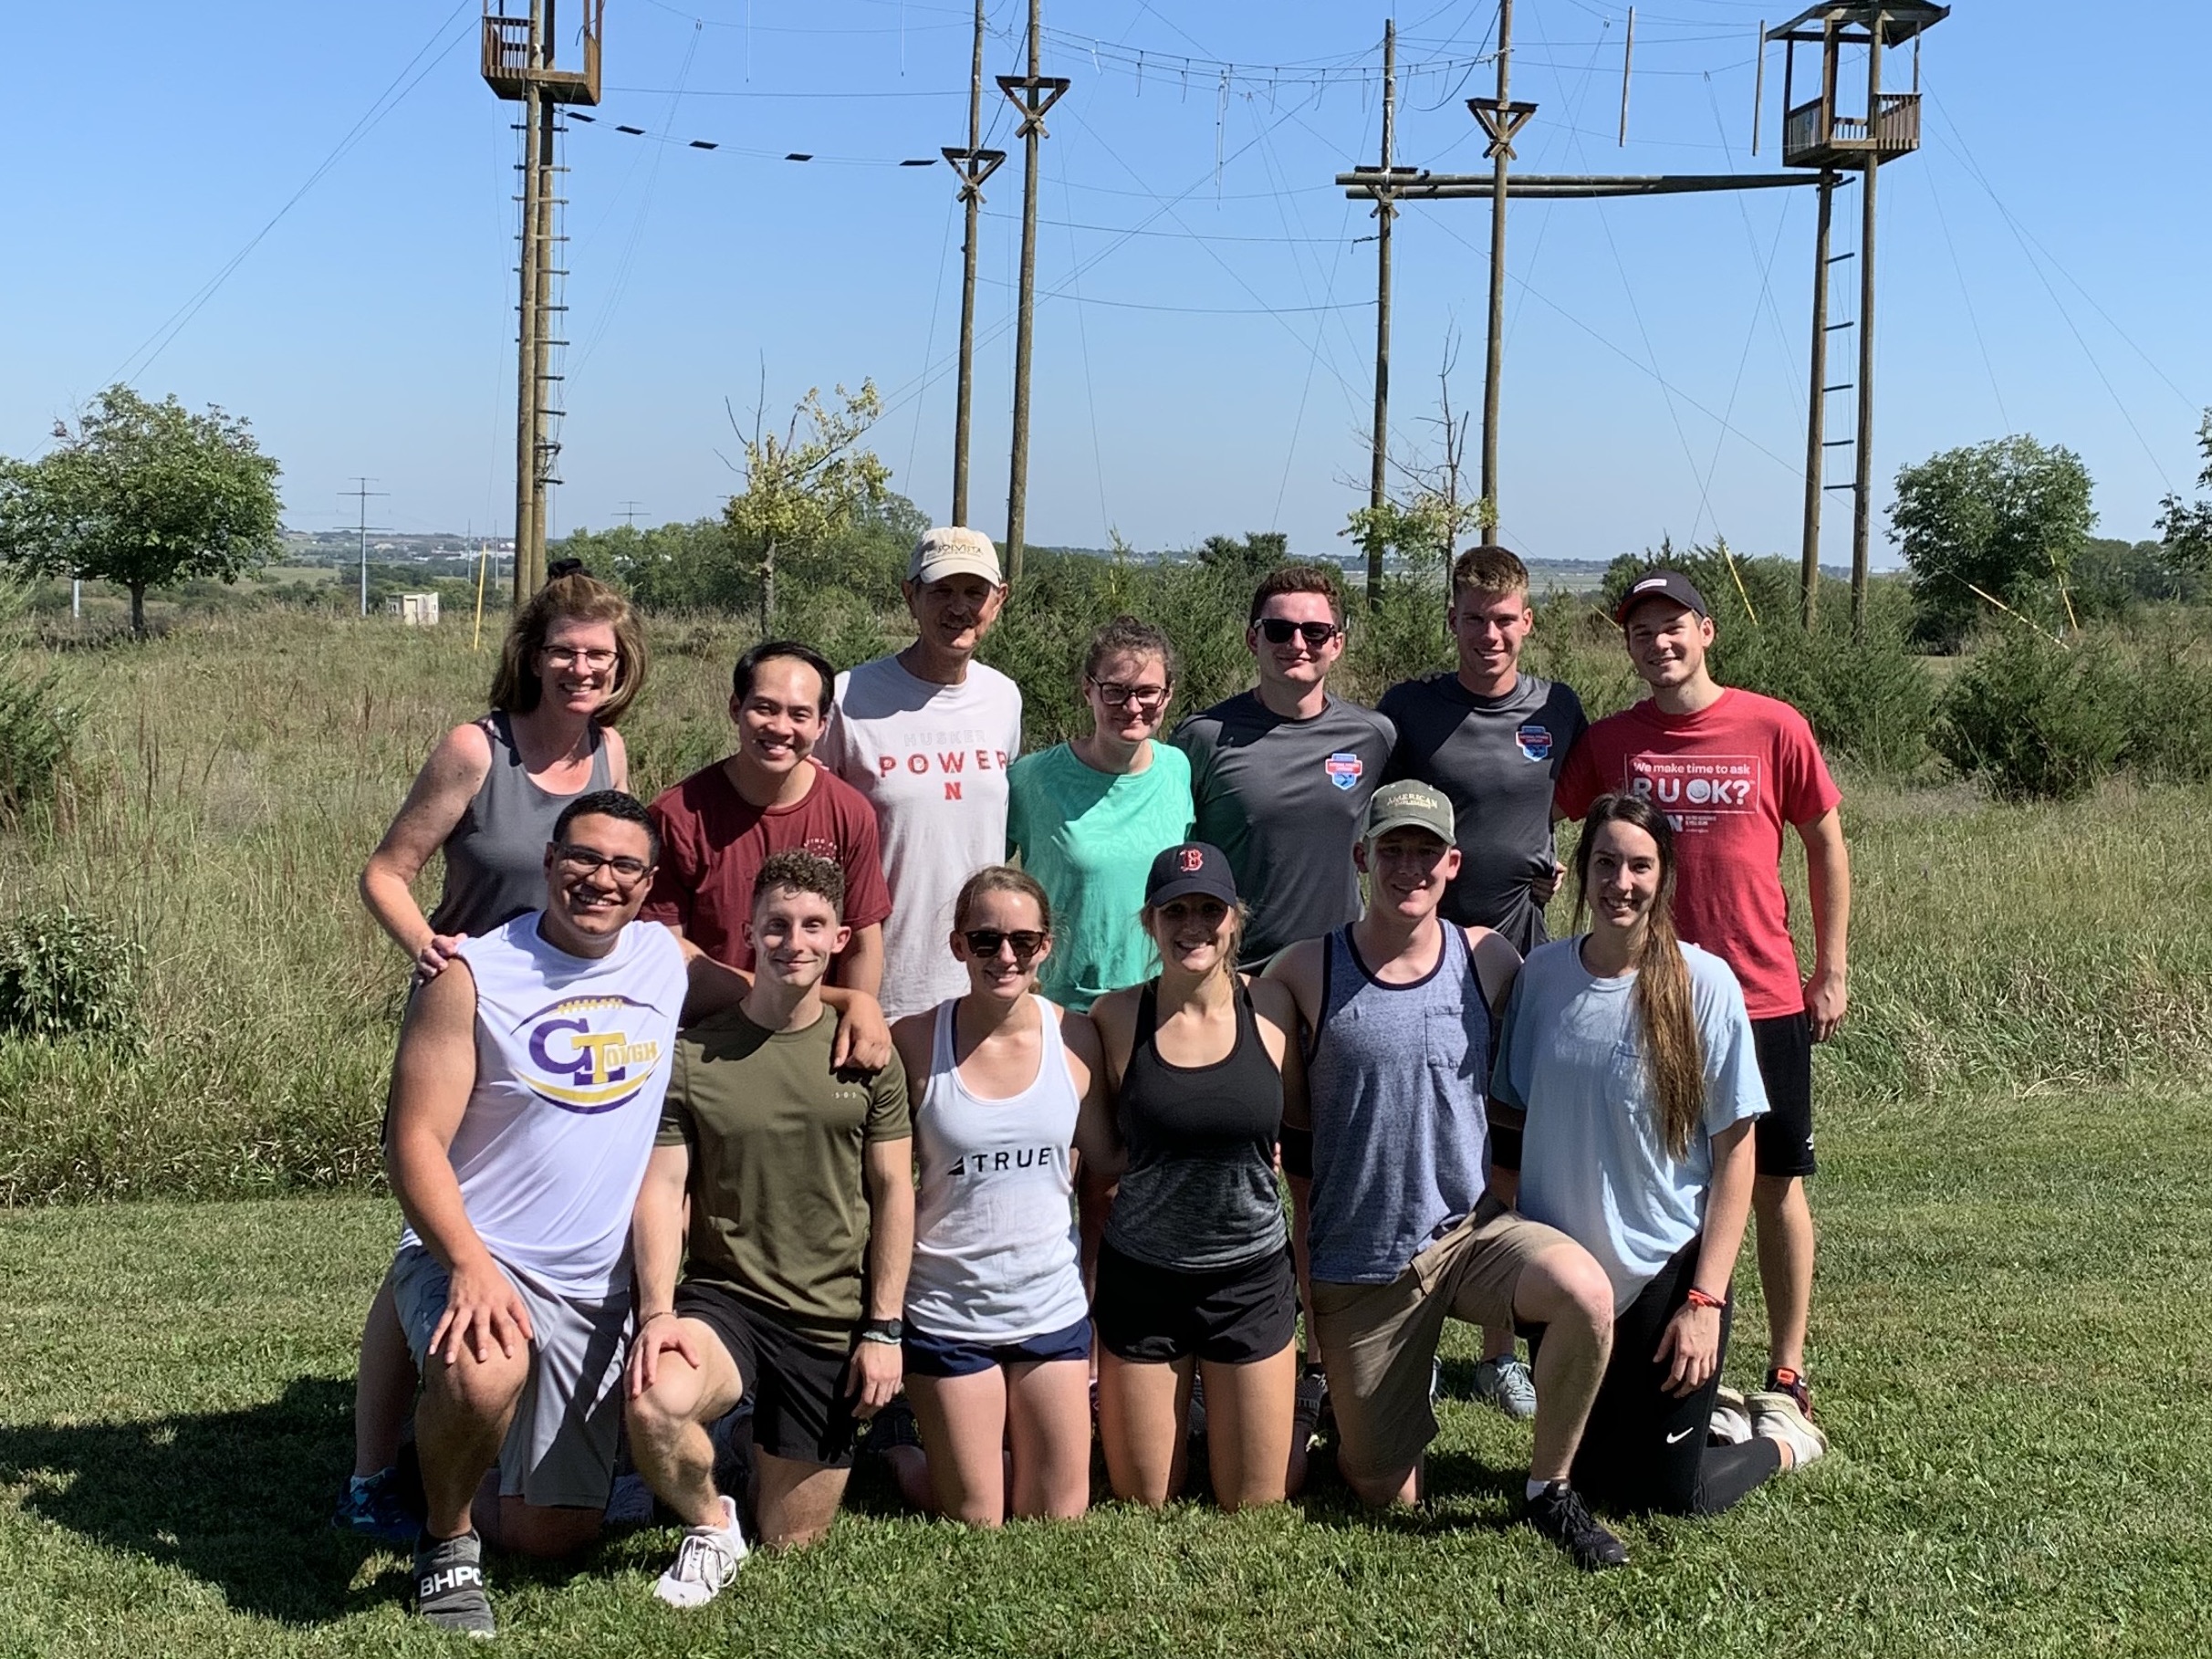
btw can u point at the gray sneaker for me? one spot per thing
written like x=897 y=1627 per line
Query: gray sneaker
x=1508 y=1384
x=449 y=1584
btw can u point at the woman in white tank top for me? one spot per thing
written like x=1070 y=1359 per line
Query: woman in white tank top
x=997 y=1332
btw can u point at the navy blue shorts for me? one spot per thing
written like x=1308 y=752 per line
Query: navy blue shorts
x=929 y=1356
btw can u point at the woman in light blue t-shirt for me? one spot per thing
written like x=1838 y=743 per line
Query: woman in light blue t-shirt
x=1088 y=816
x=1630 y=1054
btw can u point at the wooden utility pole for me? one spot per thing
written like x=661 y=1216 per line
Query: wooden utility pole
x=973 y=165
x=1862 y=491
x=1033 y=94
x=531 y=325
x=1816 y=429
x=1502 y=119
x=1385 y=213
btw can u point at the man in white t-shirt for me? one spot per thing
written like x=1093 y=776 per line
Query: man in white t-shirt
x=926 y=735
x=523 y=1104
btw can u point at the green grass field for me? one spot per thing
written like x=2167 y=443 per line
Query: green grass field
x=2010 y=1341
x=2009 y=1335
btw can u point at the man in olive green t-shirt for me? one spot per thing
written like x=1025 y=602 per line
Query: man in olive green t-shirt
x=802 y=1221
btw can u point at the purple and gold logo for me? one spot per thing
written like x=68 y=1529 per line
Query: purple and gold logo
x=582 y=1058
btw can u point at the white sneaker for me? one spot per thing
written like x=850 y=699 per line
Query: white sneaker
x=1778 y=1417
x=706 y=1560
x=1731 y=1423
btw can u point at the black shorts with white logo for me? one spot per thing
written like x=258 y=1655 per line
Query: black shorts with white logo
x=797 y=1385
x=1226 y=1316
x=1783 y=1138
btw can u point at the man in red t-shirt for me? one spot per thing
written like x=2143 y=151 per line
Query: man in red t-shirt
x=1730 y=768
x=720 y=824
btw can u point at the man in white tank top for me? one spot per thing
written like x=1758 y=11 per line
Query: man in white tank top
x=524 y=1101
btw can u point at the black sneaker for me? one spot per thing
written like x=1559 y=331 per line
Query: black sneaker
x=894 y=1425
x=1309 y=1401
x=1559 y=1513
x=449 y=1583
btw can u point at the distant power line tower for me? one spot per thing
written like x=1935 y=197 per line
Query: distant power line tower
x=519 y=64
x=361 y=492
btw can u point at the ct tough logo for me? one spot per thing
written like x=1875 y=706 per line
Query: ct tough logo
x=1344 y=769
x=1534 y=742
x=582 y=1056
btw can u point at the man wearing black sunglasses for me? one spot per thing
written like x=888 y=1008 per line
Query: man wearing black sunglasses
x=1281 y=773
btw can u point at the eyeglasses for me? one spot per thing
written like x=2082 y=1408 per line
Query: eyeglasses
x=582 y=860
x=1277 y=630
x=983 y=942
x=564 y=656
x=1115 y=695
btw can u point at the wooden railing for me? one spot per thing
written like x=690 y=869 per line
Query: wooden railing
x=1894 y=130
x=506 y=47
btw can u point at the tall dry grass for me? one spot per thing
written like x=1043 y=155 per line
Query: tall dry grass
x=232 y=777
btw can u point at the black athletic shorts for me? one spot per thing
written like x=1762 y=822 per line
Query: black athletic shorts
x=1228 y=1316
x=1784 y=1136
x=797 y=1385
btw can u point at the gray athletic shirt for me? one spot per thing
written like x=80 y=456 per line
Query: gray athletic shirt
x=1285 y=799
x=496 y=856
x=1496 y=759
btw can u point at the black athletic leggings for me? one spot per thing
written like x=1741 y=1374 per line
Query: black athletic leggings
x=1644 y=1448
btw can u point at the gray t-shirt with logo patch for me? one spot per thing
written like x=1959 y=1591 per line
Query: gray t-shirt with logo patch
x=1285 y=800
x=1497 y=759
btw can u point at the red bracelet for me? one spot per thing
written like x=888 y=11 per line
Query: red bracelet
x=1700 y=1299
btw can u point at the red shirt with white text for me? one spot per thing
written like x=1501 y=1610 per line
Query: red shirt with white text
x=1729 y=778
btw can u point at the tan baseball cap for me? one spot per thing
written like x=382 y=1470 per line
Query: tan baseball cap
x=952 y=550
x=1407 y=804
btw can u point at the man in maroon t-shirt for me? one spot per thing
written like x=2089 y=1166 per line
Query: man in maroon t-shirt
x=720 y=824
x=1730 y=768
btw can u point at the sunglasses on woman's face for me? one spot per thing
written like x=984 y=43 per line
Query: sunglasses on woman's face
x=1277 y=630
x=983 y=942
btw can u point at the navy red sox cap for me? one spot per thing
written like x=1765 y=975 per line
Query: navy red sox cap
x=1187 y=869
x=1662 y=584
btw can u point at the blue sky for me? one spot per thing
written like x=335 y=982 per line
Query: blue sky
x=1205 y=349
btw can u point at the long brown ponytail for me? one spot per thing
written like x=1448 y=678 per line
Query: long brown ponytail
x=1674 y=1054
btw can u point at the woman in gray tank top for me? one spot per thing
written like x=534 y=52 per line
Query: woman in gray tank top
x=573 y=661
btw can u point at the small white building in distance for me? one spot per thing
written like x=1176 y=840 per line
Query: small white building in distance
x=415 y=609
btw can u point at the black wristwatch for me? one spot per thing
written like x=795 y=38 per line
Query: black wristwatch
x=883 y=1330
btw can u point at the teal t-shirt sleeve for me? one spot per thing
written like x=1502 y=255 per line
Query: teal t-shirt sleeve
x=1178 y=764
x=1021 y=783
x=1508 y=1072
x=1734 y=1087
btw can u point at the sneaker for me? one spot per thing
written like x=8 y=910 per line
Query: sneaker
x=1308 y=1402
x=371 y=1506
x=1731 y=1423
x=706 y=1560
x=629 y=1504
x=449 y=1588
x=894 y=1425
x=1507 y=1384
x=1783 y=1380
x=1777 y=1415
x=1559 y=1513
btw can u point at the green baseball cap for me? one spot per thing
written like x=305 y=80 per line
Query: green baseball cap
x=1398 y=805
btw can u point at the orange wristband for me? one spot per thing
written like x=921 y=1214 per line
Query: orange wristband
x=1701 y=1298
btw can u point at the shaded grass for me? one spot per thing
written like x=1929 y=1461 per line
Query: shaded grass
x=2009 y=1337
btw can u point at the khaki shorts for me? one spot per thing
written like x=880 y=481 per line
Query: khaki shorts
x=1378 y=1341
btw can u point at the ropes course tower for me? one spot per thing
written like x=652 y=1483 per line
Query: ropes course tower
x=520 y=65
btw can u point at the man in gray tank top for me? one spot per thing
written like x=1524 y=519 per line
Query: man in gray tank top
x=1389 y=1179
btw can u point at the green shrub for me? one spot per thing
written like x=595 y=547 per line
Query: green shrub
x=65 y=975
x=37 y=728
x=2169 y=708
x=2034 y=720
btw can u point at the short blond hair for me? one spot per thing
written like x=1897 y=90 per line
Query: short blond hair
x=1490 y=570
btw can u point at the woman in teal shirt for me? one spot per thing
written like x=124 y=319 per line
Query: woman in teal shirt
x=1087 y=818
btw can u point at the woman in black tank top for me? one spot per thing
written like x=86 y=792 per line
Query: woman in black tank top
x=1192 y=1274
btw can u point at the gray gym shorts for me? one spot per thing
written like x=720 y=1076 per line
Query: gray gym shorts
x=559 y=1451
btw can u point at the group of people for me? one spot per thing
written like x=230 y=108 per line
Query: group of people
x=881 y=1071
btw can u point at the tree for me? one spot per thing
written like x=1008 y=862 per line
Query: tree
x=144 y=495
x=802 y=488
x=1423 y=524
x=1990 y=523
x=2186 y=527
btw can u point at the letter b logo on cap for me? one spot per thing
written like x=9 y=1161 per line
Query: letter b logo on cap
x=1192 y=860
